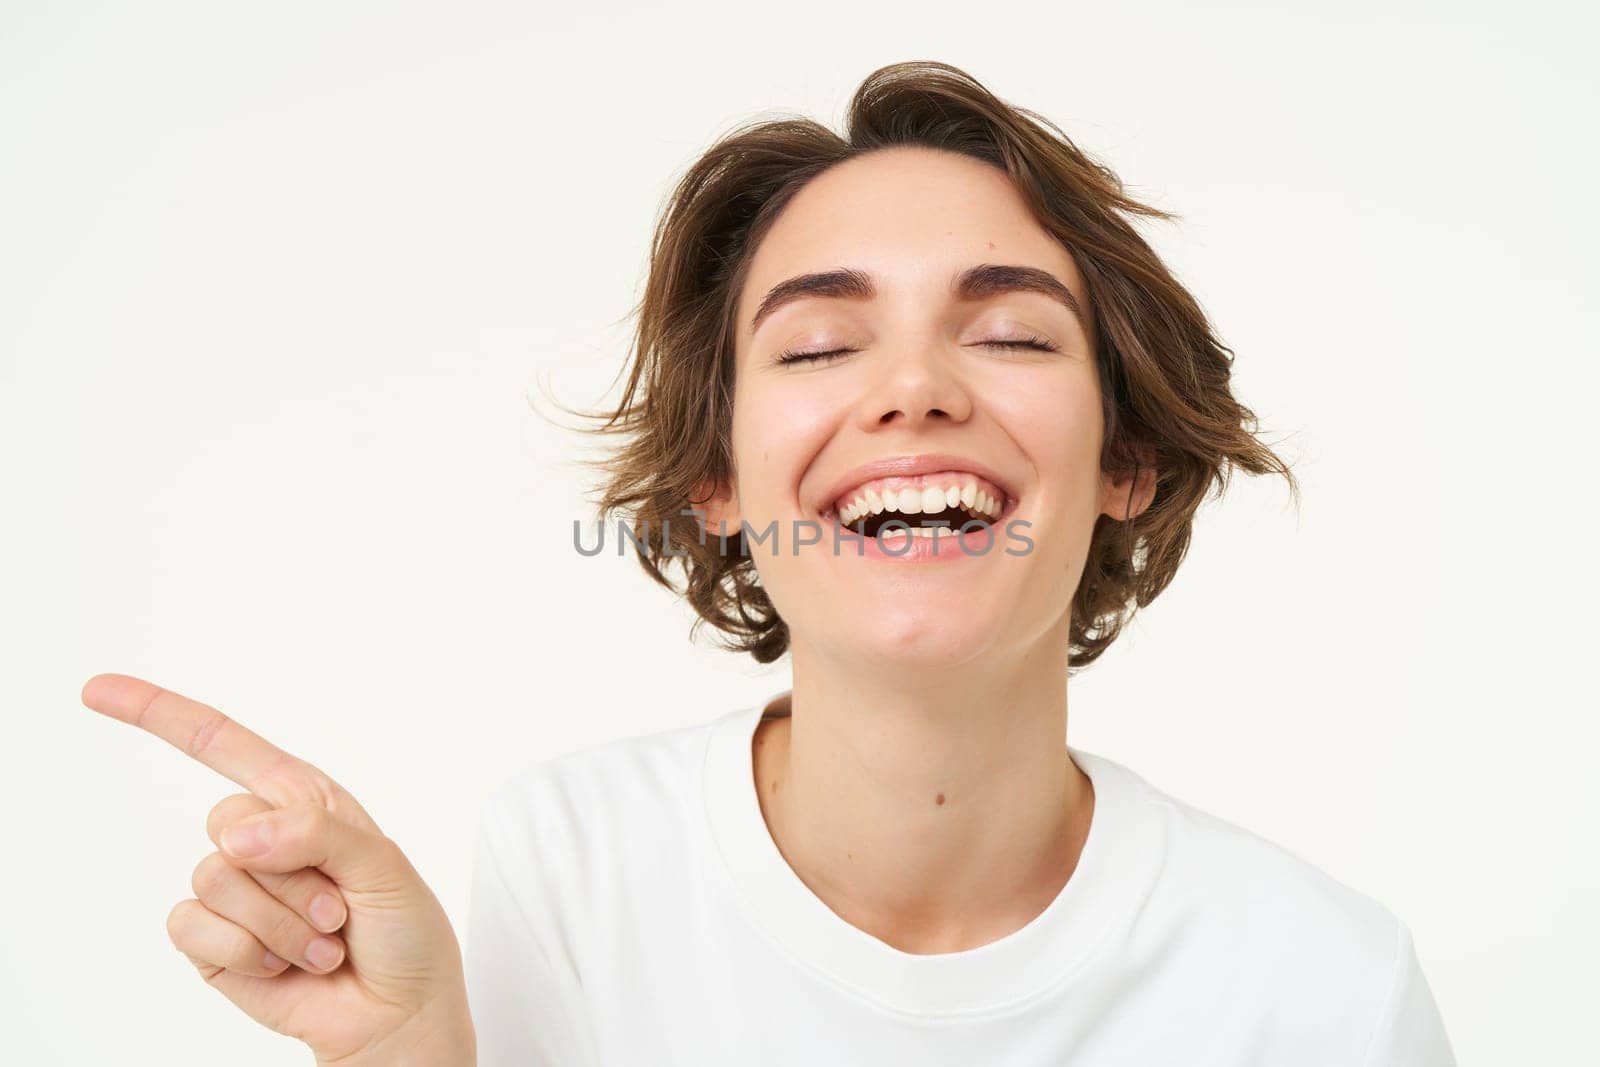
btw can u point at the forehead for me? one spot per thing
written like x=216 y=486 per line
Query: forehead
x=911 y=217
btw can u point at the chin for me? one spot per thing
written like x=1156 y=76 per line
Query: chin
x=933 y=636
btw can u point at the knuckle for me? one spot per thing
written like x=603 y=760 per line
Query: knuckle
x=321 y=786
x=386 y=857
x=244 y=952
x=301 y=779
x=299 y=889
x=288 y=930
x=389 y=851
x=393 y=855
x=282 y=770
x=211 y=876
x=180 y=920
x=307 y=826
x=206 y=733
x=343 y=806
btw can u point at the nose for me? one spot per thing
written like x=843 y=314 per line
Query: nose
x=916 y=386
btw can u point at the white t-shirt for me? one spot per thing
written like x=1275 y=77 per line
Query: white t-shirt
x=631 y=908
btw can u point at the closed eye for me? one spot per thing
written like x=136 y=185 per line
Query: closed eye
x=1038 y=344
x=813 y=357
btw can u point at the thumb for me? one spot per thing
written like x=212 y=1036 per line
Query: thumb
x=287 y=839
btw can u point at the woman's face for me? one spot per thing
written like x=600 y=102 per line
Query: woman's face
x=925 y=405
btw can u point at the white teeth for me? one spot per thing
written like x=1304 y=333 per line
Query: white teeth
x=933 y=531
x=919 y=531
x=926 y=500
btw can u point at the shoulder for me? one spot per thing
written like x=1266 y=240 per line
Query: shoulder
x=576 y=849
x=630 y=790
x=1224 y=891
x=1272 y=940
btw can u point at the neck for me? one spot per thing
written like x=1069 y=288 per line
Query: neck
x=937 y=813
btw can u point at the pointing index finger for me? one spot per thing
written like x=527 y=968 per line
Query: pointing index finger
x=199 y=730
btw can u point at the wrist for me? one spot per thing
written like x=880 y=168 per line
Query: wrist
x=442 y=1036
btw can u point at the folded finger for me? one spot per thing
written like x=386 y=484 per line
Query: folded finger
x=286 y=839
x=210 y=942
x=231 y=809
x=234 y=895
x=308 y=892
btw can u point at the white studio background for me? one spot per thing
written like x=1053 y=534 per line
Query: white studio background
x=282 y=285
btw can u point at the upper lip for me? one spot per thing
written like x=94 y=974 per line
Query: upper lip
x=905 y=467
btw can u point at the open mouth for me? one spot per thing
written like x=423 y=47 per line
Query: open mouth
x=932 y=505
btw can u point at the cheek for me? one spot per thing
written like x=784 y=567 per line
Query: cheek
x=1057 y=422
x=777 y=430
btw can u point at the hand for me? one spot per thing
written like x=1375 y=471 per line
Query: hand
x=391 y=989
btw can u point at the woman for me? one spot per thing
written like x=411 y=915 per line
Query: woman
x=941 y=321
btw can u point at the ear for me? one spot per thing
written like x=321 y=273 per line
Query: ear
x=720 y=503
x=1125 y=495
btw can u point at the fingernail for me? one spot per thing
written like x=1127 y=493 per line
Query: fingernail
x=323 y=954
x=326 y=912
x=247 y=838
x=273 y=963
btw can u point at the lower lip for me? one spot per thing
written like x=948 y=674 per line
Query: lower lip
x=974 y=544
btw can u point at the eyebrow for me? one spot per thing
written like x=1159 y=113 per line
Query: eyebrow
x=975 y=283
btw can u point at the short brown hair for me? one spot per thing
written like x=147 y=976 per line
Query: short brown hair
x=1164 y=376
